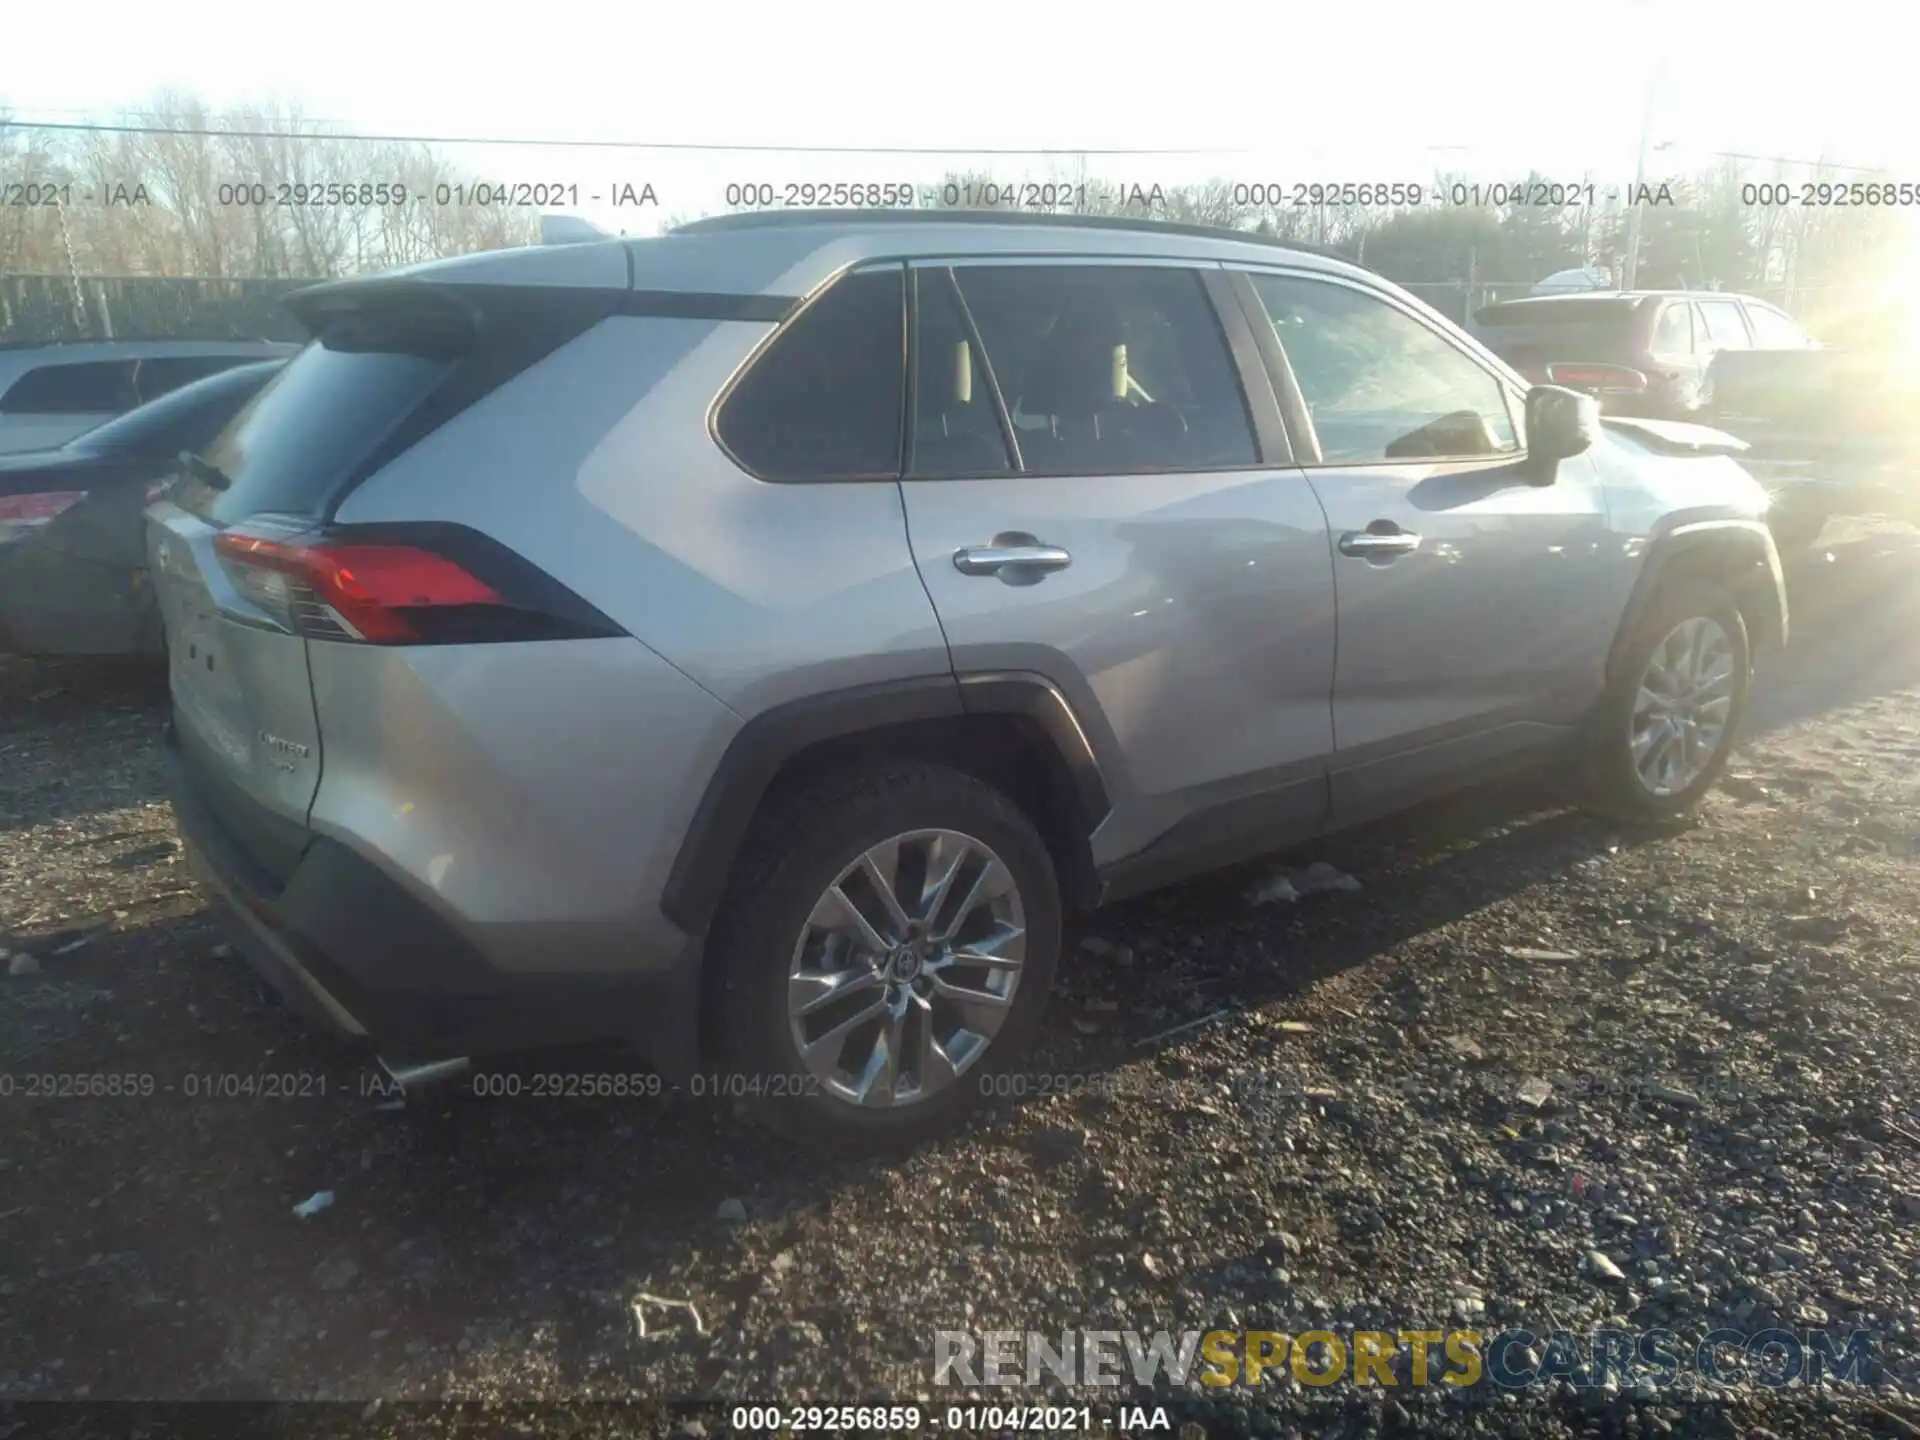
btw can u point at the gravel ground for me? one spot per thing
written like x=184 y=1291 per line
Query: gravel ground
x=1534 y=1073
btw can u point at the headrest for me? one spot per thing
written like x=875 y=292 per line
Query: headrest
x=1081 y=367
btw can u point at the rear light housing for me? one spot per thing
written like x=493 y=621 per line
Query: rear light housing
x=22 y=514
x=1597 y=379
x=400 y=585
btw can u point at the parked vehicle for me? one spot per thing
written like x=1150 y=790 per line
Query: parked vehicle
x=73 y=553
x=1639 y=352
x=748 y=642
x=51 y=393
x=1828 y=432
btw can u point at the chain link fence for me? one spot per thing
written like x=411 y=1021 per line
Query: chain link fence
x=42 y=309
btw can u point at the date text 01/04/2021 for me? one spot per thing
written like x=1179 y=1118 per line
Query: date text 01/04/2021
x=1083 y=1420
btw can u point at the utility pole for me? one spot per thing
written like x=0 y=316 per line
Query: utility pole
x=1632 y=266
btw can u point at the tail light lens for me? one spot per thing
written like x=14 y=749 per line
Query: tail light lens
x=1605 y=379
x=21 y=514
x=392 y=590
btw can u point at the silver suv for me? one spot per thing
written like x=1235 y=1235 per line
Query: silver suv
x=749 y=642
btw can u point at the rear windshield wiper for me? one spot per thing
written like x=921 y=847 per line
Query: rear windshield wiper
x=205 y=471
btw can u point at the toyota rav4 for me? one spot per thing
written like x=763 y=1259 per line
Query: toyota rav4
x=748 y=643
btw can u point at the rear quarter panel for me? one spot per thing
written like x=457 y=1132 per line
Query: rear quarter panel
x=596 y=464
x=533 y=794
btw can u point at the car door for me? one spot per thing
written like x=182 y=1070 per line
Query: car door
x=1678 y=352
x=1474 y=606
x=1098 y=491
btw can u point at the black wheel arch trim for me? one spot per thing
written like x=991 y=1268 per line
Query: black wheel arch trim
x=1741 y=550
x=1039 y=700
x=703 y=866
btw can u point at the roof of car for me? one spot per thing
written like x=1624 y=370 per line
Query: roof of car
x=788 y=253
x=1017 y=219
x=1594 y=296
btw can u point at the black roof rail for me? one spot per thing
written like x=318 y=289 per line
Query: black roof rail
x=783 y=219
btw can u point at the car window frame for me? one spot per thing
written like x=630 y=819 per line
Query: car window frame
x=780 y=328
x=1272 y=447
x=1739 y=308
x=1305 y=439
x=1806 y=340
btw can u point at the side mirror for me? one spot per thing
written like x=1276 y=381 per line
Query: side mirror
x=1560 y=423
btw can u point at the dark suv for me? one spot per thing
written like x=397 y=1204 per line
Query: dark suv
x=1641 y=353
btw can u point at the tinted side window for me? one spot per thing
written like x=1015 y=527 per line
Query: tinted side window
x=1379 y=384
x=1110 y=369
x=1673 y=335
x=1725 y=328
x=955 y=428
x=160 y=377
x=98 y=388
x=824 y=401
x=1774 y=331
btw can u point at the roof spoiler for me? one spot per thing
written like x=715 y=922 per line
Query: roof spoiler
x=570 y=230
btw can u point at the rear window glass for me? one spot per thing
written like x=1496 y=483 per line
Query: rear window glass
x=1556 y=330
x=1557 y=312
x=824 y=401
x=99 y=388
x=161 y=377
x=184 y=419
x=301 y=436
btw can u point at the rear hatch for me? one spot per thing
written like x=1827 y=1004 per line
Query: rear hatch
x=243 y=707
x=1531 y=335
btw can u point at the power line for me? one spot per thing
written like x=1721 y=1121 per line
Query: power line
x=96 y=128
x=702 y=147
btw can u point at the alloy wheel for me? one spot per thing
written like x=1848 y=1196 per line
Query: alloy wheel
x=1682 y=707
x=906 y=968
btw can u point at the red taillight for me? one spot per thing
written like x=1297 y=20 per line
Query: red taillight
x=36 y=509
x=382 y=594
x=1613 y=379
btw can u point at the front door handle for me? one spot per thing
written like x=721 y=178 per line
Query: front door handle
x=1379 y=544
x=1011 y=557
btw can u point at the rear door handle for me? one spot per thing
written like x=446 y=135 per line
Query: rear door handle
x=1022 y=555
x=1373 y=545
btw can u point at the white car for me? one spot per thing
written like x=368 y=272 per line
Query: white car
x=51 y=393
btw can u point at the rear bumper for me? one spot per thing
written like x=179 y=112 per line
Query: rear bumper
x=54 y=603
x=354 y=952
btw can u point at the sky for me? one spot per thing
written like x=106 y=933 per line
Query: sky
x=1273 y=92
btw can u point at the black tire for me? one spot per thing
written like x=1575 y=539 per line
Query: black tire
x=1795 y=533
x=805 y=836
x=1609 y=783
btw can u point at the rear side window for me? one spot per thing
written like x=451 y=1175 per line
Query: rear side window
x=1725 y=329
x=825 y=400
x=98 y=388
x=1110 y=369
x=1379 y=384
x=161 y=377
x=296 y=440
x=1774 y=331
x=1673 y=335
